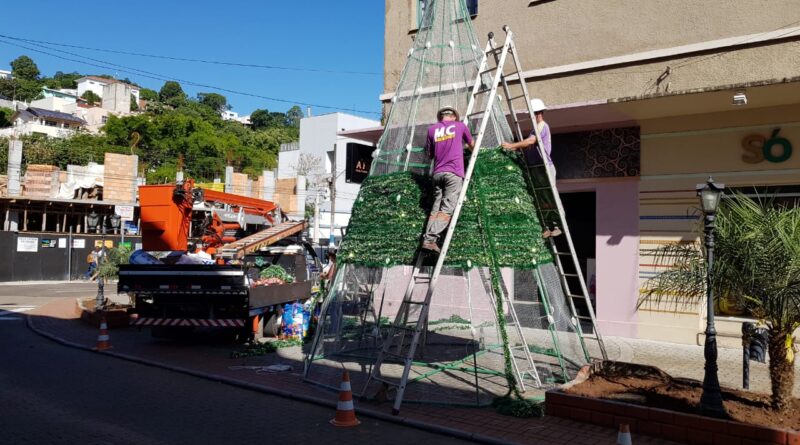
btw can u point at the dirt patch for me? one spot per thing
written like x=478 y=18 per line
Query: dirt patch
x=649 y=386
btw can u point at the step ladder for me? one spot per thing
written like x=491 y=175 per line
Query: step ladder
x=252 y=243
x=410 y=324
x=551 y=210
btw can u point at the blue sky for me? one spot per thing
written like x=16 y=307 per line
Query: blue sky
x=341 y=35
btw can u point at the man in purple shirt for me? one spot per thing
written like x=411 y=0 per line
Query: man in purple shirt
x=445 y=144
x=532 y=156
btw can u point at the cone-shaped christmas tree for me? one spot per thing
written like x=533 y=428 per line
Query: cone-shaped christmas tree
x=498 y=320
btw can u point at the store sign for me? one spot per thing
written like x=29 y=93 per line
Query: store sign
x=124 y=212
x=758 y=148
x=359 y=161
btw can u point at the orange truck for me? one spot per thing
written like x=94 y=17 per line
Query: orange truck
x=218 y=244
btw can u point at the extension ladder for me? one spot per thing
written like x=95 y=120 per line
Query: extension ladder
x=412 y=316
x=551 y=210
x=252 y=243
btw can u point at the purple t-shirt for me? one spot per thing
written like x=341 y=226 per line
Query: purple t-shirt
x=532 y=153
x=445 y=144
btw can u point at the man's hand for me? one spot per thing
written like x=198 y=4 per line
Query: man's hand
x=508 y=146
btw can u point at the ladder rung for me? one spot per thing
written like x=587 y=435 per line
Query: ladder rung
x=495 y=50
x=521 y=96
x=413 y=302
x=488 y=71
x=563 y=253
x=576 y=296
x=571 y=275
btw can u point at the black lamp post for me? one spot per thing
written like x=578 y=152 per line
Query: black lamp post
x=711 y=400
x=94 y=223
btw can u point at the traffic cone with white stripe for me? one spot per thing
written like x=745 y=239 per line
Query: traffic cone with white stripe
x=345 y=412
x=103 y=339
x=624 y=435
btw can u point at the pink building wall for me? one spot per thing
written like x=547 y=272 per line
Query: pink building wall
x=617 y=253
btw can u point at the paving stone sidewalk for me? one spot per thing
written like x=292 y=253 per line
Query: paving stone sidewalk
x=211 y=359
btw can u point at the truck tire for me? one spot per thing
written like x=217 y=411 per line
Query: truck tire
x=273 y=326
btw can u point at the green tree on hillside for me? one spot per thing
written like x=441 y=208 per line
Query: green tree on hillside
x=134 y=103
x=260 y=119
x=5 y=117
x=216 y=102
x=24 y=68
x=91 y=97
x=171 y=93
x=62 y=80
x=293 y=116
x=148 y=94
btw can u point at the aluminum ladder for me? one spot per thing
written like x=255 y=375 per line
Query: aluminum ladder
x=412 y=316
x=271 y=235
x=551 y=210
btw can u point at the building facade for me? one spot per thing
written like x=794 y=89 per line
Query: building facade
x=646 y=101
x=313 y=156
x=96 y=85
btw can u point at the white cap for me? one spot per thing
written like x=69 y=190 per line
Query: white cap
x=537 y=105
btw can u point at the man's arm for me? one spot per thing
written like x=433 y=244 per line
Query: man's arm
x=525 y=143
x=470 y=143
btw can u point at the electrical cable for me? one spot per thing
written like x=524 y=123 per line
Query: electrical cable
x=161 y=77
x=186 y=59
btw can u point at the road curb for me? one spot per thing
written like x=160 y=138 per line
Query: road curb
x=367 y=412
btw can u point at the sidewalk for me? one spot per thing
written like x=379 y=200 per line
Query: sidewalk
x=211 y=359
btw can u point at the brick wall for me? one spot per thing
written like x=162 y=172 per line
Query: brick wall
x=41 y=181
x=119 y=178
x=285 y=194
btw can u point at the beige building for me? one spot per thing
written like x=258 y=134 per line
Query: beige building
x=647 y=99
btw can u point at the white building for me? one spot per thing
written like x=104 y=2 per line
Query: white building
x=45 y=122
x=96 y=84
x=117 y=97
x=229 y=115
x=5 y=74
x=314 y=156
x=54 y=103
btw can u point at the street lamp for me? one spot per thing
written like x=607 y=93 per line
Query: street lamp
x=92 y=220
x=711 y=400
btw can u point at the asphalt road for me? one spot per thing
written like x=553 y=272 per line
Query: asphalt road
x=52 y=394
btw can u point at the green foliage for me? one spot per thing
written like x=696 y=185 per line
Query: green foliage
x=109 y=265
x=91 y=97
x=24 y=68
x=62 y=80
x=390 y=214
x=277 y=271
x=134 y=104
x=216 y=102
x=259 y=349
x=148 y=94
x=516 y=407
x=20 y=89
x=293 y=116
x=265 y=119
x=5 y=117
x=172 y=93
x=756 y=264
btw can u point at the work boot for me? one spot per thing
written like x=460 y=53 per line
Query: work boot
x=431 y=247
x=556 y=231
x=546 y=234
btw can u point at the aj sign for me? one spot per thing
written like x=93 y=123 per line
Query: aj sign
x=758 y=148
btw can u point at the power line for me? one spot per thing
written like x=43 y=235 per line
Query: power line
x=161 y=77
x=186 y=59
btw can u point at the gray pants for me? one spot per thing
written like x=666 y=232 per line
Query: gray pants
x=447 y=187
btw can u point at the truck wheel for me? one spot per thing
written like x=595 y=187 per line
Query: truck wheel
x=273 y=326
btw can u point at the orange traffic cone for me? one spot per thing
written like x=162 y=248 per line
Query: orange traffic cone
x=103 y=340
x=345 y=413
x=624 y=435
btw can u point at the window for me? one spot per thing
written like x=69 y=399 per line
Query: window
x=422 y=5
x=51 y=123
x=104 y=119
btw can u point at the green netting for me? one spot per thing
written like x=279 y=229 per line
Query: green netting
x=391 y=211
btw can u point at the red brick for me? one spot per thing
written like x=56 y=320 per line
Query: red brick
x=637 y=412
x=694 y=437
x=691 y=421
x=770 y=434
x=581 y=415
x=620 y=420
x=724 y=439
x=737 y=429
x=662 y=416
x=602 y=419
x=674 y=433
x=650 y=428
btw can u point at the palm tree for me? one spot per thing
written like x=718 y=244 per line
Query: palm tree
x=756 y=264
